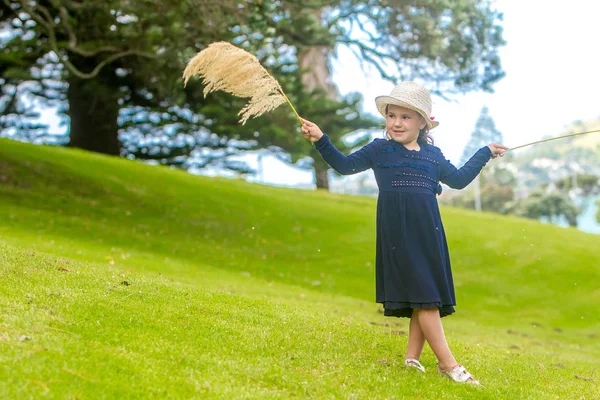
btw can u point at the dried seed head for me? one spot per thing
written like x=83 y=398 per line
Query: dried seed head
x=228 y=68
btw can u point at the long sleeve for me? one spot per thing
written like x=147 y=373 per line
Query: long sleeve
x=460 y=178
x=356 y=162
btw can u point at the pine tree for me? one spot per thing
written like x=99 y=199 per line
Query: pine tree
x=485 y=132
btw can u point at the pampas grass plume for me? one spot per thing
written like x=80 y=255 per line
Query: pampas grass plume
x=231 y=69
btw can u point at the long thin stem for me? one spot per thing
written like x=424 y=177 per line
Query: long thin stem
x=554 y=138
x=290 y=103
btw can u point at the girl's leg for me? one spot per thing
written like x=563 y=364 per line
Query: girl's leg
x=431 y=326
x=416 y=339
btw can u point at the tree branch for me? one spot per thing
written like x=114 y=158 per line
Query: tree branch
x=368 y=53
x=341 y=16
x=362 y=28
x=72 y=44
x=48 y=23
x=10 y=103
x=107 y=61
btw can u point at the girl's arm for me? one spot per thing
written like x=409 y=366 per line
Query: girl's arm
x=460 y=178
x=356 y=162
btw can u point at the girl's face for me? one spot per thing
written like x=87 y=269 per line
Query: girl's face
x=403 y=124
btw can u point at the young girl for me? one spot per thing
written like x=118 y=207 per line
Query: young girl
x=413 y=275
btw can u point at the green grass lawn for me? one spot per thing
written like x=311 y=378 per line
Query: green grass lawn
x=120 y=280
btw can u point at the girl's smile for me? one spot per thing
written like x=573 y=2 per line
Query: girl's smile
x=403 y=125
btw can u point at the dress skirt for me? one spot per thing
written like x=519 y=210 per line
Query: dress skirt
x=412 y=260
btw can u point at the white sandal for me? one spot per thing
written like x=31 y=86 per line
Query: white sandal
x=411 y=362
x=459 y=374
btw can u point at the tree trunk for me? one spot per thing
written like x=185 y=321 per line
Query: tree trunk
x=94 y=110
x=314 y=60
x=321 y=170
x=477 y=193
x=321 y=177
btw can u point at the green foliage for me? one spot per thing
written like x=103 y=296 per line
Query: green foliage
x=497 y=194
x=540 y=204
x=588 y=183
x=154 y=283
x=494 y=198
x=145 y=45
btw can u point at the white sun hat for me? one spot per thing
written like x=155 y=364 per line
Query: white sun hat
x=409 y=95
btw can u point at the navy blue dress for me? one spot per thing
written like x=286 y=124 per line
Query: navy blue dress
x=412 y=260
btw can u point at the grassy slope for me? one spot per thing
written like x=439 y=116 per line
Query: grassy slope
x=236 y=290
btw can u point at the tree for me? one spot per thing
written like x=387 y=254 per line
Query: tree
x=494 y=197
x=546 y=205
x=114 y=66
x=588 y=183
x=485 y=132
x=120 y=64
x=316 y=79
x=118 y=54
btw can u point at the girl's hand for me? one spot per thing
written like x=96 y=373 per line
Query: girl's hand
x=497 y=149
x=311 y=131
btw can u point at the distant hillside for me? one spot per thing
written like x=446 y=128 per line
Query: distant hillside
x=554 y=160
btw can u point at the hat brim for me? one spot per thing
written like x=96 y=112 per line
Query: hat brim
x=383 y=101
